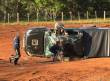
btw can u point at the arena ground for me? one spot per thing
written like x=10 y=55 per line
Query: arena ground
x=42 y=69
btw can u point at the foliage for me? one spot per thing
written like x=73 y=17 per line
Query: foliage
x=42 y=6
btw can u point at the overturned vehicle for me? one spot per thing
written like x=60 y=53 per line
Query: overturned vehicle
x=90 y=42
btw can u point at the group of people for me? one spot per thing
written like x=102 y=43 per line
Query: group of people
x=57 y=49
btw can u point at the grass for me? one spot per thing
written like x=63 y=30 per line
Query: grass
x=89 y=21
x=82 y=21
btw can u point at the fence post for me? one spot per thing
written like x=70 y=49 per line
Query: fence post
x=5 y=17
x=96 y=15
x=17 y=17
x=8 y=18
x=79 y=16
x=87 y=14
x=70 y=15
x=62 y=16
x=28 y=16
x=37 y=16
x=51 y=16
x=54 y=16
x=104 y=15
x=46 y=15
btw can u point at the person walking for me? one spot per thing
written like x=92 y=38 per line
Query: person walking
x=16 y=45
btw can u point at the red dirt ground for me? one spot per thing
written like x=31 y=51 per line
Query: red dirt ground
x=42 y=69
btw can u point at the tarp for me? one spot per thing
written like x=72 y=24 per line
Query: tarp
x=96 y=42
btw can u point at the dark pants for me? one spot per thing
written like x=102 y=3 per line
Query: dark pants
x=14 y=59
x=54 y=57
x=58 y=56
x=17 y=56
x=61 y=56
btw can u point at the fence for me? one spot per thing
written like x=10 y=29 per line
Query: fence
x=45 y=16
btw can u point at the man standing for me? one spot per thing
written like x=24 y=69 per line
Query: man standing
x=57 y=48
x=17 y=48
x=16 y=45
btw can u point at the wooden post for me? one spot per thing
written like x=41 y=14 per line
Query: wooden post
x=79 y=16
x=96 y=14
x=5 y=17
x=51 y=15
x=37 y=16
x=87 y=14
x=46 y=15
x=54 y=16
x=62 y=16
x=17 y=17
x=70 y=15
x=8 y=18
x=28 y=16
x=104 y=15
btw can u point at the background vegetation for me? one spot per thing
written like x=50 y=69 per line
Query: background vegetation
x=39 y=10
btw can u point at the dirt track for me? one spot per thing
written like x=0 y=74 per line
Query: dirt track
x=42 y=69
